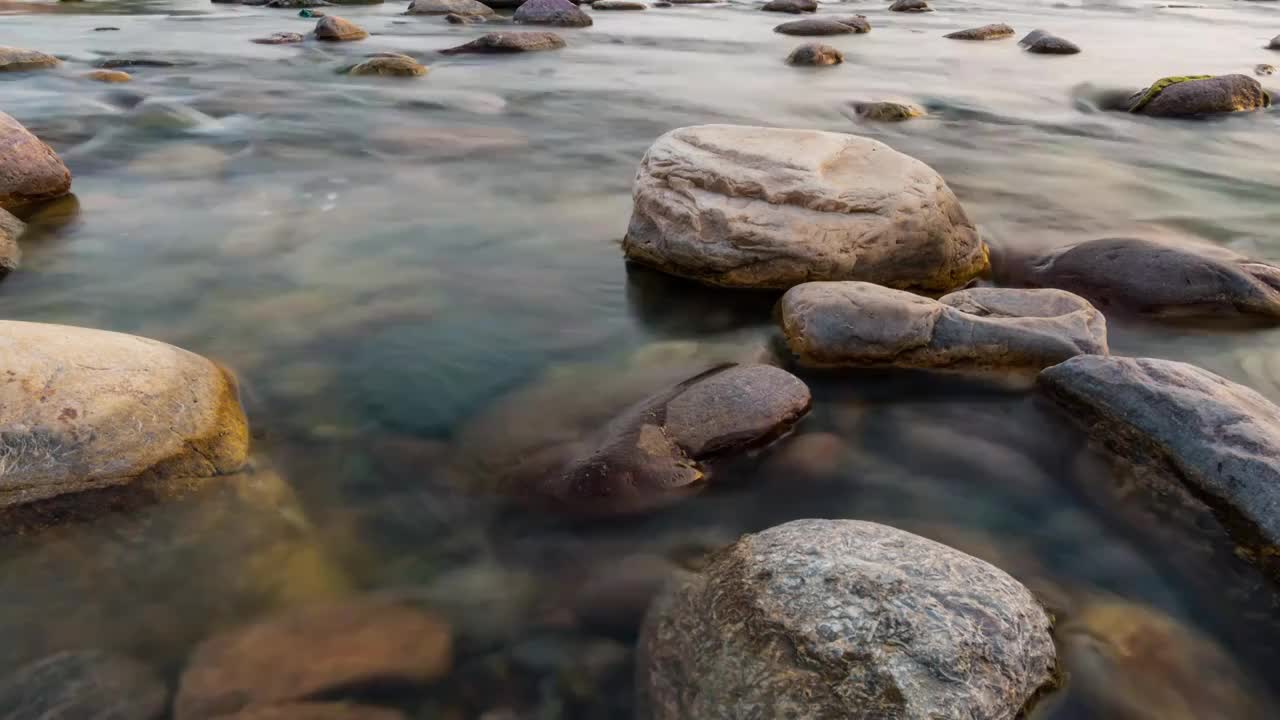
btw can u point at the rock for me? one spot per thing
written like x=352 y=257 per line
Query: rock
x=810 y=27
x=397 y=66
x=456 y=19
x=1219 y=440
x=16 y=59
x=770 y=208
x=1264 y=69
x=1199 y=95
x=87 y=409
x=446 y=7
x=321 y=650
x=911 y=6
x=509 y=42
x=998 y=31
x=317 y=711
x=10 y=254
x=618 y=5
x=815 y=54
x=860 y=324
x=843 y=618
x=887 y=111
x=88 y=685
x=791 y=6
x=1162 y=278
x=1275 y=43
x=332 y=27
x=106 y=29
x=280 y=38
x=299 y=4
x=30 y=171
x=1134 y=663
x=136 y=62
x=560 y=13
x=1052 y=45
x=109 y=76
x=1032 y=36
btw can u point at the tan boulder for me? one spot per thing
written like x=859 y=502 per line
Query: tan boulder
x=332 y=27
x=15 y=59
x=29 y=169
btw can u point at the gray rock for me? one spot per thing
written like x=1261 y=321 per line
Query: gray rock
x=560 y=13
x=445 y=7
x=887 y=111
x=334 y=28
x=30 y=171
x=17 y=59
x=811 y=27
x=1177 y=97
x=815 y=54
x=1032 y=36
x=10 y=254
x=619 y=5
x=791 y=6
x=843 y=619
x=986 y=32
x=861 y=324
x=509 y=42
x=911 y=6
x=742 y=206
x=1052 y=45
x=1275 y=43
x=1219 y=440
x=1161 y=278
x=87 y=685
x=280 y=38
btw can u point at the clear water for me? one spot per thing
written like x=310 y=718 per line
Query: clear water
x=414 y=277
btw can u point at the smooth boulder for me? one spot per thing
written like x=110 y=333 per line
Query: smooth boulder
x=446 y=7
x=85 y=685
x=817 y=27
x=389 y=66
x=1185 y=96
x=740 y=206
x=560 y=13
x=1217 y=439
x=311 y=652
x=911 y=6
x=1161 y=278
x=997 y=31
x=815 y=54
x=109 y=76
x=11 y=229
x=335 y=29
x=843 y=619
x=861 y=324
x=508 y=42
x=85 y=409
x=1045 y=44
x=30 y=171
x=17 y=59
x=791 y=6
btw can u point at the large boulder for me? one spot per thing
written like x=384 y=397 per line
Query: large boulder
x=445 y=7
x=861 y=324
x=997 y=31
x=317 y=651
x=1160 y=277
x=15 y=59
x=560 y=13
x=87 y=685
x=843 y=619
x=29 y=170
x=1218 y=440
x=10 y=254
x=85 y=410
x=508 y=42
x=770 y=208
x=1183 y=96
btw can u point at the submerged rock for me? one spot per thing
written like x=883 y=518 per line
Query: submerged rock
x=317 y=711
x=791 y=6
x=560 y=13
x=298 y=4
x=30 y=171
x=10 y=254
x=88 y=685
x=509 y=42
x=822 y=26
x=446 y=7
x=618 y=5
x=770 y=208
x=390 y=66
x=1219 y=440
x=1160 y=278
x=17 y=59
x=842 y=618
x=1046 y=44
x=312 y=652
x=986 y=32
x=887 y=111
x=1264 y=69
x=84 y=410
x=911 y=6
x=1200 y=95
x=334 y=28
x=280 y=38
x=815 y=54
x=861 y=324
x=109 y=76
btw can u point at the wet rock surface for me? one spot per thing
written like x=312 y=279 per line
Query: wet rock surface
x=86 y=685
x=767 y=208
x=910 y=6
x=509 y=42
x=30 y=170
x=998 y=31
x=887 y=111
x=336 y=29
x=842 y=618
x=1200 y=95
x=559 y=13
x=861 y=324
x=17 y=59
x=389 y=66
x=1218 y=439
x=815 y=54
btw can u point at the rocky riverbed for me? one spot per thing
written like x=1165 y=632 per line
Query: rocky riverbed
x=463 y=360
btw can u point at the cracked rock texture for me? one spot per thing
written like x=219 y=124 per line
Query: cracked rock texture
x=85 y=409
x=861 y=324
x=770 y=208
x=843 y=619
x=1218 y=439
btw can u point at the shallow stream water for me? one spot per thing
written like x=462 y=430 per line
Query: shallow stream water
x=409 y=276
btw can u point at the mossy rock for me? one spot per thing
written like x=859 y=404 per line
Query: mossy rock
x=1159 y=86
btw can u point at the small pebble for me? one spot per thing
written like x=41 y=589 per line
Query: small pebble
x=1264 y=69
x=109 y=76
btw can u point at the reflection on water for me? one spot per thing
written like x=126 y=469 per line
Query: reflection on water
x=413 y=278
